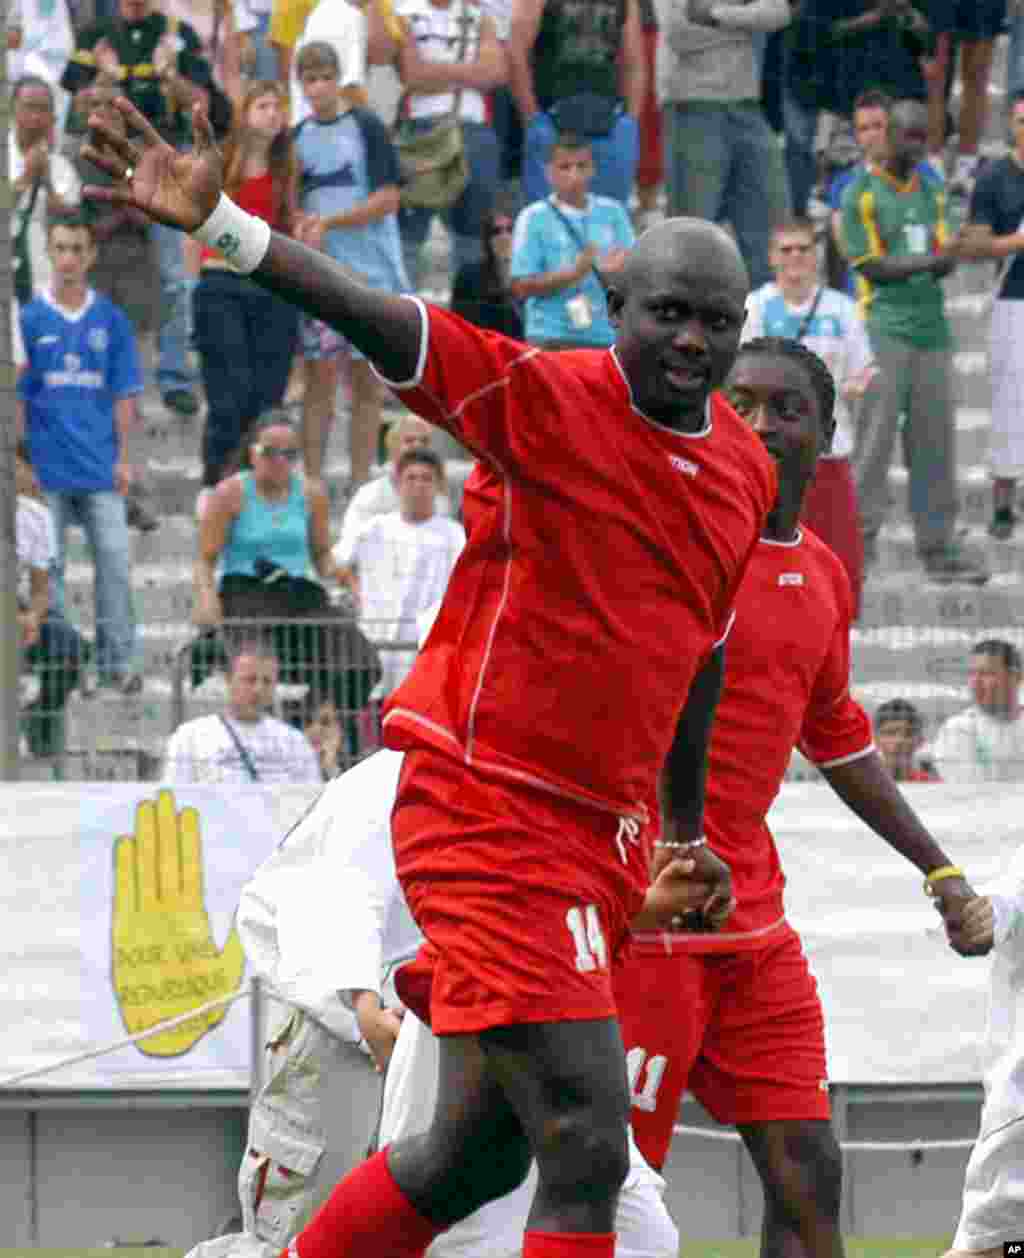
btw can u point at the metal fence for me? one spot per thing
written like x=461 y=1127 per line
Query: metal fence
x=329 y=686
x=73 y=729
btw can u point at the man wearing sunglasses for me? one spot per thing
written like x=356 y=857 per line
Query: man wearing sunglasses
x=798 y=306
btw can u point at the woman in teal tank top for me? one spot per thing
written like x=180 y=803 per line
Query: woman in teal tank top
x=266 y=531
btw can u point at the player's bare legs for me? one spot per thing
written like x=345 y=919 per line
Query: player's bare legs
x=474 y=1151
x=567 y=1082
x=801 y=1171
x=551 y=1087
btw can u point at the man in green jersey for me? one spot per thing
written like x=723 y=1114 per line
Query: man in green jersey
x=895 y=235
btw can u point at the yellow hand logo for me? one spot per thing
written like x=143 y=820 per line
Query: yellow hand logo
x=165 y=961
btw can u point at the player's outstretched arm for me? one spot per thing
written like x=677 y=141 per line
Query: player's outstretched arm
x=185 y=188
x=867 y=787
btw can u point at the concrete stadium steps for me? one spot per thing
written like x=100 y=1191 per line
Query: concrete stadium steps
x=897 y=551
x=898 y=599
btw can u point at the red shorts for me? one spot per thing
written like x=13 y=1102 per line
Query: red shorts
x=743 y=1031
x=525 y=898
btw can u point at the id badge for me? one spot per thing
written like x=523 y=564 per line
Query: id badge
x=917 y=237
x=579 y=312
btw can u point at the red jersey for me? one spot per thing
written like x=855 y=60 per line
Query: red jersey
x=593 y=586
x=787 y=669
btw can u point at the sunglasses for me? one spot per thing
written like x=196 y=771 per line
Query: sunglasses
x=501 y=229
x=784 y=249
x=277 y=452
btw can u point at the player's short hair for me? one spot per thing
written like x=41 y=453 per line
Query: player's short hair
x=792 y=227
x=394 y=432
x=821 y=377
x=249 y=644
x=318 y=55
x=1015 y=99
x=32 y=80
x=900 y=710
x=423 y=456
x=874 y=98
x=1001 y=650
x=74 y=222
x=570 y=141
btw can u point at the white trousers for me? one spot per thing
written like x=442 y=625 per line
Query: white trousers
x=643 y=1225
x=312 y=1121
x=1006 y=365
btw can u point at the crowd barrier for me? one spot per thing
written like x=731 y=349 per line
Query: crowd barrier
x=103 y=734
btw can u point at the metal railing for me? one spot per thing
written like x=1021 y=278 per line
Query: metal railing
x=329 y=685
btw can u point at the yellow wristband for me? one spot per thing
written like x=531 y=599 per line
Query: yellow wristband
x=938 y=875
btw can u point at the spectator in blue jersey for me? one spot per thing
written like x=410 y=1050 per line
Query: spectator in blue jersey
x=76 y=407
x=348 y=195
x=562 y=248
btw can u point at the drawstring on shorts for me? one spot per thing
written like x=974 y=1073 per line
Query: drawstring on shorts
x=628 y=832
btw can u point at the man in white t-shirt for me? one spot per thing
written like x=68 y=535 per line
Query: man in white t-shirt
x=380 y=495
x=399 y=563
x=797 y=306
x=44 y=183
x=985 y=743
x=243 y=744
x=451 y=58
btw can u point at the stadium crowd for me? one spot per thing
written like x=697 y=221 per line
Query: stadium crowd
x=824 y=140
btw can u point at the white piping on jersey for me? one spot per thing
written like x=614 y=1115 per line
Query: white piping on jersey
x=854 y=755
x=775 y=541
x=727 y=630
x=506 y=494
x=641 y=814
x=704 y=432
x=466 y=750
x=628 y=832
x=421 y=357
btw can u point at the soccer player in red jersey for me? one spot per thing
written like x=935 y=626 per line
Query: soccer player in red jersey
x=576 y=655
x=735 y=1017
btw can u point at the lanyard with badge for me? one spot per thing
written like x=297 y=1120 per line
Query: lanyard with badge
x=578 y=308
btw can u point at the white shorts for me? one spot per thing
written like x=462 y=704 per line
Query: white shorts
x=643 y=1226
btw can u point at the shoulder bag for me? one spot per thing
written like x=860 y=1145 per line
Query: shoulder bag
x=435 y=169
x=21 y=261
x=244 y=756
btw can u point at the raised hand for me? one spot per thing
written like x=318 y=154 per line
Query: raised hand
x=165 y=961
x=178 y=188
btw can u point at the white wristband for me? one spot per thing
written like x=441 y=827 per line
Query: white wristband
x=242 y=238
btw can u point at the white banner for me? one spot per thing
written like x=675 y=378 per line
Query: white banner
x=118 y=914
x=117 y=906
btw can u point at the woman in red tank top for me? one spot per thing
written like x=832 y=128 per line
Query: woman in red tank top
x=246 y=336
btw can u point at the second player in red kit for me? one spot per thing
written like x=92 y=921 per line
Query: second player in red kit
x=735 y=1017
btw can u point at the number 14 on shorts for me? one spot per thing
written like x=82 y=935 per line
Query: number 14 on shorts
x=585 y=928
